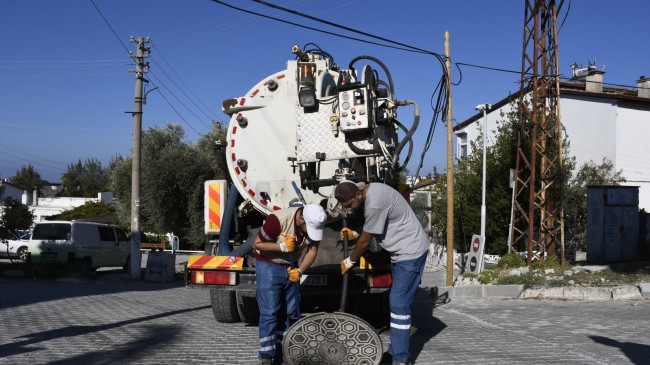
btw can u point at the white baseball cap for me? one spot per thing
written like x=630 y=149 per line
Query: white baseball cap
x=314 y=216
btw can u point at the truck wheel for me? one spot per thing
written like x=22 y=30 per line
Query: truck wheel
x=224 y=305
x=247 y=307
x=87 y=267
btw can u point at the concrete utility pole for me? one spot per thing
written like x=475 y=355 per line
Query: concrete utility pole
x=484 y=108
x=450 y=170
x=140 y=69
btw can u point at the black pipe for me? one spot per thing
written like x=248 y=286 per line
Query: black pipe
x=224 y=248
x=344 y=286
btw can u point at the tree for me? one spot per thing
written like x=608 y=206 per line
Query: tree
x=575 y=207
x=468 y=191
x=207 y=146
x=172 y=175
x=92 y=211
x=500 y=159
x=27 y=178
x=85 y=180
x=15 y=216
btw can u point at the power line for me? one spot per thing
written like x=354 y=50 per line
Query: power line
x=111 y=28
x=442 y=102
x=192 y=100
x=175 y=110
x=127 y=50
x=179 y=101
x=312 y=28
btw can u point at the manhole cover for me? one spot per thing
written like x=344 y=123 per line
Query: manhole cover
x=331 y=339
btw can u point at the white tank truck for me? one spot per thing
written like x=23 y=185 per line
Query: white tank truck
x=291 y=138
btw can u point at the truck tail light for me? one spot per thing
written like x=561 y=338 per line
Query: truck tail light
x=214 y=277
x=380 y=280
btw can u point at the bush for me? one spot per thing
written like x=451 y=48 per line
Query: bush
x=551 y=262
x=511 y=261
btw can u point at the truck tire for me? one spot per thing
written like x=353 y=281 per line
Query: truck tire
x=224 y=305
x=247 y=307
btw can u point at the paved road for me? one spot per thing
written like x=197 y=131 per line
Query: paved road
x=113 y=320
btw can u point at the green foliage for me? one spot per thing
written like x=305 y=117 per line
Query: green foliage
x=421 y=208
x=207 y=147
x=528 y=280
x=85 y=180
x=172 y=175
x=551 y=262
x=575 y=199
x=26 y=178
x=92 y=211
x=511 y=260
x=488 y=276
x=15 y=216
x=500 y=159
x=468 y=191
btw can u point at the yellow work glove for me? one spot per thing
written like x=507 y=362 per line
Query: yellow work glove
x=294 y=274
x=352 y=235
x=346 y=264
x=287 y=243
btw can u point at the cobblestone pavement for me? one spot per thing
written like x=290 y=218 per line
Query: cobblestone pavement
x=118 y=321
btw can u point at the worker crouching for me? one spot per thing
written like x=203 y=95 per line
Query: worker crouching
x=285 y=234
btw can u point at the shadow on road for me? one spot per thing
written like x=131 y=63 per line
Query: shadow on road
x=155 y=336
x=426 y=325
x=636 y=352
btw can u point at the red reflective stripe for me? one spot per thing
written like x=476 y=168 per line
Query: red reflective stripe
x=200 y=262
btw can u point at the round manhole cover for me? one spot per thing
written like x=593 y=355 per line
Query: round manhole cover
x=332 y=339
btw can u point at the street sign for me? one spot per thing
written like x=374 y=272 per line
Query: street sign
x=475 y=255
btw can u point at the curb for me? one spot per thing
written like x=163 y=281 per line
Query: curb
x=598 y=294
x=477 y=291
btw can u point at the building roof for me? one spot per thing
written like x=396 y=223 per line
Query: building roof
x=572 y=87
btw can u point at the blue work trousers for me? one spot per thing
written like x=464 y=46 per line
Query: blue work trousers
x=406 y=279
x=276 y=298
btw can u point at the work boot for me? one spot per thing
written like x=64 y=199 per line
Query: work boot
x=386 y=358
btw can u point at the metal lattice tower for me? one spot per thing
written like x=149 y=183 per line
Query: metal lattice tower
x=538 y=223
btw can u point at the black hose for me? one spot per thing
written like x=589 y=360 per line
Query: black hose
x=390 y=78
x=344 y=285
x=416 y=121
x=224 y=248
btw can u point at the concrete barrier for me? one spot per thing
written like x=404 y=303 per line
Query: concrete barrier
x=160 y=267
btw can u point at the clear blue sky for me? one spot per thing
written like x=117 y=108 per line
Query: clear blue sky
x=65 y=83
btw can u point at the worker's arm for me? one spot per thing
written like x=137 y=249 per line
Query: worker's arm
x=260 y=245
x=360 y=247
x=310 y=256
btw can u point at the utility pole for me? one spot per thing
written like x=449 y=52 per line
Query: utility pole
x=141 y=68
x=538 y=207
x=450 y=170
x=484 y=108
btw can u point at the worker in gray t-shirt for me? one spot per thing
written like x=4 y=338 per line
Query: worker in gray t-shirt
x=391 y=221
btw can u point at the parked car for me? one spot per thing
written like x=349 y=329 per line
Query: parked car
x=15 y=245
x=89 y=244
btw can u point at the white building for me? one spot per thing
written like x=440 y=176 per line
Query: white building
x=47 y=206
x=600 y=122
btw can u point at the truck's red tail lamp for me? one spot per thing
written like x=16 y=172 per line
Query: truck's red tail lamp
x=380 y=280
x=214 y=277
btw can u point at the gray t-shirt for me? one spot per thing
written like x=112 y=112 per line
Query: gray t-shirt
x=393 y=224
